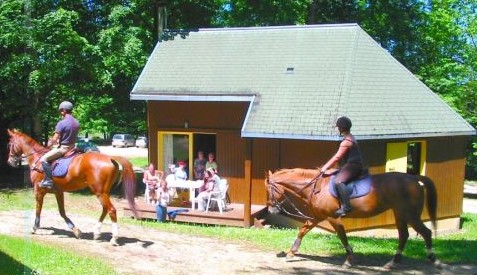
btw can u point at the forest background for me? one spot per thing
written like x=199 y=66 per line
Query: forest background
x=91 y=52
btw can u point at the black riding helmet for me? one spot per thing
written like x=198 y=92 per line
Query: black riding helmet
x=344 y=123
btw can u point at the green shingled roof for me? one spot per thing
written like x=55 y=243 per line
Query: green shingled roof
x=299 y=80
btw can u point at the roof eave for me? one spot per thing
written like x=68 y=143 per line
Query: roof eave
x=192 y=97
x=358 y=137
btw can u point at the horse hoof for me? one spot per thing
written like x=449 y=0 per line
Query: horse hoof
x=347 y=264
x=96 y=236
x=290 y=256
x=77 y=233
x=438 y=264
x=389 y=266
x=114 y=241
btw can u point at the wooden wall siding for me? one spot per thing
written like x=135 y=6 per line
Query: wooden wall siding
x=231 y=158
x=265 y=157
x=447 y=172
x=305 y=153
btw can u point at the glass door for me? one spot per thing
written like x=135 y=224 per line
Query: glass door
x=174 y=147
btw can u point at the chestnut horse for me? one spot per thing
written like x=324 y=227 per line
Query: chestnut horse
x=97 y=171
x=305 y=192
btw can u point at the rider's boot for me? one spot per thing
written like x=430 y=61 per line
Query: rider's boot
x=344 y=200
x=47 y=182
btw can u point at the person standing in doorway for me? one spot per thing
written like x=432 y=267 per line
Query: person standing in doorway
x=211 y=162
x=199 y=166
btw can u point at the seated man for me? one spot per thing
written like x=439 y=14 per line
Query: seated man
x=210 y=185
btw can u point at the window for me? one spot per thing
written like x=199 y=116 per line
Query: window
x=407 y=157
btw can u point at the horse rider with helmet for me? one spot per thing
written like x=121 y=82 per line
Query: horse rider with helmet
x=351 y=162
x=66 y=133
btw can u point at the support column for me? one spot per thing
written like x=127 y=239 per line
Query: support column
x=247 y=205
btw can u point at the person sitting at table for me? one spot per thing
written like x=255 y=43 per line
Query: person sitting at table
x=210 y=185
x=163 y=199
x=180 y=173
x=151 y=180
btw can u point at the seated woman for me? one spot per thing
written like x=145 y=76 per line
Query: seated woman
x=151 y=179
x=180 y=173
x=210 y=185
x=163 y=201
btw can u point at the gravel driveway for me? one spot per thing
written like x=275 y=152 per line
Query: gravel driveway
x=124 y=152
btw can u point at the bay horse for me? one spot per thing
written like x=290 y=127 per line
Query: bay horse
x=306 y=192
x=97 y=171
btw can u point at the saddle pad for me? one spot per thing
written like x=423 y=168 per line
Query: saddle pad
x=356 y=189
x=60 y=168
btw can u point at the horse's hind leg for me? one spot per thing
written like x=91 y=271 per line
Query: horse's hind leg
x=60 y=199
x=426 y=234
x=403 y=237
x=97 y=228
x=106 y=202
x=307 y=226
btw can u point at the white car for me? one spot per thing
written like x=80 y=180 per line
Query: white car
x=141 y=142
x=123 y=140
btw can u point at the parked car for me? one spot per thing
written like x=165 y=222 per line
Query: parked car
x=141 y=142
x=85 y=145
x=123 y=140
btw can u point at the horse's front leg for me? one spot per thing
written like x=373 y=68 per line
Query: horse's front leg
x=307 y=226
x=340 y=231
x=60 y=199
x=39 y=196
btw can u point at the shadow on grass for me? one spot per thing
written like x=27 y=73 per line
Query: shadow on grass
x=9 y=265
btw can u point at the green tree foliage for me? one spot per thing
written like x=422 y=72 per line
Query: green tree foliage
x=91 y=52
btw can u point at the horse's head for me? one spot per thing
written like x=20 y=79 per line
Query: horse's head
x=275 y=194
x=14 y=149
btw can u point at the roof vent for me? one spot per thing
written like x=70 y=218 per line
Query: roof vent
x=290 y=70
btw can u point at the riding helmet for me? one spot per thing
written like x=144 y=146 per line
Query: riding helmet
x=344 y=122
x=66 y=105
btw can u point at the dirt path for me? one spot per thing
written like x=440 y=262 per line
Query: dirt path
x=148 y=251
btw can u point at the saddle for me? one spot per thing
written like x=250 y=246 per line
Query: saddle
x=60 y=166
x=356 y=188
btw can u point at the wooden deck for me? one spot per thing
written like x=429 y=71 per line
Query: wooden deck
x=232 y=216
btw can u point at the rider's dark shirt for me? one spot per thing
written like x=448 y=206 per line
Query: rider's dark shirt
x=354 y=154
x=68 y=129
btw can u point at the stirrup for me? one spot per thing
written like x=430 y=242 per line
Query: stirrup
x=46 y=184
x=342 y=211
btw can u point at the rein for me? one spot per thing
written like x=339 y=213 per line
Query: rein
x=279 y=204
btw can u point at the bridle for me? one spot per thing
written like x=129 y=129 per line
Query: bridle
x=296 y=211
x=14 y=155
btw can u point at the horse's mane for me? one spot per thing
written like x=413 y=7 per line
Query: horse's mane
x=303 y=173
x=28 y=140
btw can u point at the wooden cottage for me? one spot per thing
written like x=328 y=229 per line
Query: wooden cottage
x=267 y=98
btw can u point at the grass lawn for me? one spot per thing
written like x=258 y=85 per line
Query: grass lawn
x=22 y=256
x=451 y=248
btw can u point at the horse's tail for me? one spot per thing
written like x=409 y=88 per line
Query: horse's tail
x=431 y=198
x=129 y=182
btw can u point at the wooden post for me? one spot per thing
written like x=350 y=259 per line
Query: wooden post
x=247 y=207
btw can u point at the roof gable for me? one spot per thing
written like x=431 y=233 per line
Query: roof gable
x=299 y=80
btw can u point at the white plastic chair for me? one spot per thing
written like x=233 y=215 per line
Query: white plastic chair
x=219 y=196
